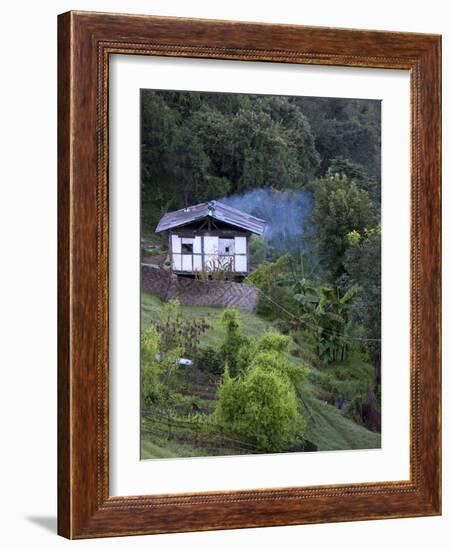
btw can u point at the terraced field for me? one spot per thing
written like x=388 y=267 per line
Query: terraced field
x=180 y=433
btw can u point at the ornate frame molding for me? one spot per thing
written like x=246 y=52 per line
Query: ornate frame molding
x=86 y=40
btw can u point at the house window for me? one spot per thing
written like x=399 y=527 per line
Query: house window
x=226 y=247
x=186 y=245
x=187 y=248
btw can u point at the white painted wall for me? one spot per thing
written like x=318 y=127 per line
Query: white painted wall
x=197 y=245
x=187 y=262
x=211 y=245
x=240 y=263
x=175 y=244
x=240 y=245
x=214 y=250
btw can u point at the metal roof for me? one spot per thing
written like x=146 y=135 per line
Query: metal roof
x=215 y=209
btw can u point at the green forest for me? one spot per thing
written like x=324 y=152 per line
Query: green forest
x=302 y=372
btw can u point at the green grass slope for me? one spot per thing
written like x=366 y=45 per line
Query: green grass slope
x=330 y=430
x=327 y=428
x=252 y=325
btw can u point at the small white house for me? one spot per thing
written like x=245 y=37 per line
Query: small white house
x=208 y=237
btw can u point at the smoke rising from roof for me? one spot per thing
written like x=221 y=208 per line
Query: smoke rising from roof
x=283 y=211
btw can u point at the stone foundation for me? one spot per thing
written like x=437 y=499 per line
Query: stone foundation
x=168 y=286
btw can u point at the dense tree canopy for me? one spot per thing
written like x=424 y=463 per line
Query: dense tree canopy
x=362 y=269
x=349 y=128
x=340 y=207
x=201 y=146
x=310 y=167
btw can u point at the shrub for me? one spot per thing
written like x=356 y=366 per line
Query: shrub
x=272 y=351
x=269 y=277
x=153 y=392
x=233 y=354
x=210 y=360
x=234 y=349
x=215 y=271
x=231 y=320
x=149 y=345
x=277 y=362
x=156 y=368
x=257 y=250
x=177 y=332
x=261 y=407
x=273 y=341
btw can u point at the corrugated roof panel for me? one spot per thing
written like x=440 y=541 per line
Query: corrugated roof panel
x=218 y=211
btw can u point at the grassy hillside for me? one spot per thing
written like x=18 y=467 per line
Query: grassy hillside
x=328 y=428
x=253 y=325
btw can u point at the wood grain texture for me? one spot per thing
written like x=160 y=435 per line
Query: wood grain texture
x=64 y=368
x=85 y=42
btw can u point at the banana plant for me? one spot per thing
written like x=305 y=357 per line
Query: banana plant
x=325 y=314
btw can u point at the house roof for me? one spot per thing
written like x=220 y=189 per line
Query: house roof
x=215 y=209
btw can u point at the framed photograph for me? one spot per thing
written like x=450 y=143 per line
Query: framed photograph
x=249 y=275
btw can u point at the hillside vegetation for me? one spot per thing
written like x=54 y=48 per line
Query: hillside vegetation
x=178 y=430
x=304 y=372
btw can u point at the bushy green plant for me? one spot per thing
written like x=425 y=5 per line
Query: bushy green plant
x=362 y=264
x=158 y=368
x=232 y=354
x=275 y=299
x=153 y=390
x=257 y=250
x=341 y=207
x=262 y=408
x=149 y=345
x=324 y=312
x=216 y=270
x=260 y=404
x=272 y=351
x=278 y=362
x=273 y=341
x=231 y=320
x=233 y=350
x=210 y=360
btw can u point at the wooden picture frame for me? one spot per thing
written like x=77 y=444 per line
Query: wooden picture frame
x=85 y=41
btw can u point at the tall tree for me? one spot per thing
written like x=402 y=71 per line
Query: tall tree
x=347 y=127
x=363 y=269
x=356 y=173
x=200 y=146
x=340 y=207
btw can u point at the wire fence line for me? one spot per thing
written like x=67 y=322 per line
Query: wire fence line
x=161 y=425
x=311 y=325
